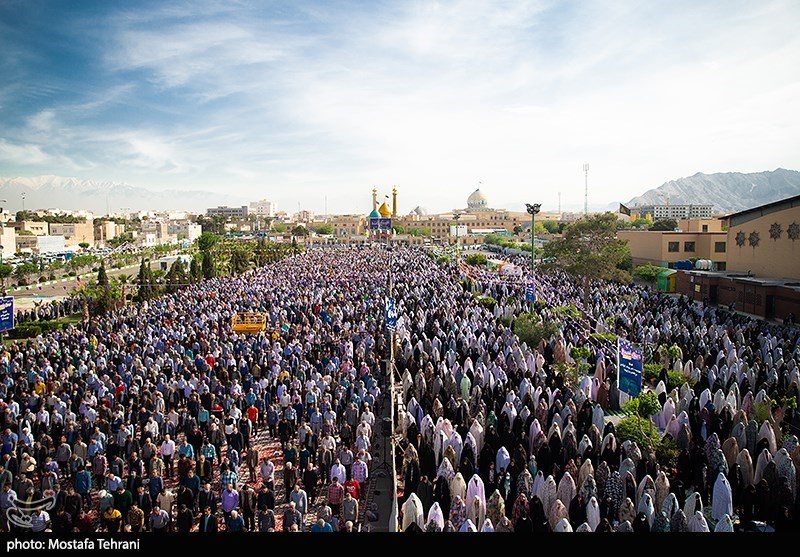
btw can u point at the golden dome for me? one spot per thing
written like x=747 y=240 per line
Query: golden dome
x=384 y=211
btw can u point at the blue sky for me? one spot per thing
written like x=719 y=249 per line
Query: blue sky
x=294 y=101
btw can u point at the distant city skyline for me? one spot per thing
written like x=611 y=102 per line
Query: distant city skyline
x=297 y=101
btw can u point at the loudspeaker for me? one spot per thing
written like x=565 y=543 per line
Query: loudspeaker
x=386 y=427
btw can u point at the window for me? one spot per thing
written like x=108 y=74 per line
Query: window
x=705 y=228
x=673 y=247
x=688 y=246
x=719 y=247
x=720 y=265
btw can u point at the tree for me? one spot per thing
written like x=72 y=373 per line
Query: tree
x=195 y=272
x=517 y=229
x=419 y=231
x=665 y=225
x=299 y=230
x=146 y=282
x=279 y=227
x=477 y=259
x=589 y=250
x=325 y=228
x=83 y=245
x=207 y=241
x=122 y=281
x=5 y=272
x=102 y=276
x=551 y=226
x=647 y=273
x=25 y=269
x=641 y=223
x=209 y=268
x=240 y=260
x=176 y=277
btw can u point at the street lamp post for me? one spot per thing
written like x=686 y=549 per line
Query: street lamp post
x=532 y=211
x=456 y=217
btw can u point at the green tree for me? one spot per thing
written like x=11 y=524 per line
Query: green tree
x=325 y=228
x=25 y=269
x=102 y=276
x=531 y=329
x=195 y=271
x=647 y=273
x=419 y=231
x=146 y=281
x=665 y=225
x=5 y=272
x=299 y=230
x=279 y=227
x=209 y=267
x=641 y=223
x=176 y=278
x=83 y=245
x=589 y=250
x=240 y=260
x=642 y=407
x=551 y=226
x=476 y=259
x=207 y=241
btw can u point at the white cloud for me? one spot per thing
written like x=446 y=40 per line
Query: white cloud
x=434 y=97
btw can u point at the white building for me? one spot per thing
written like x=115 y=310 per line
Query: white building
x=263 y=208
x=185 y=230
x=676 y=212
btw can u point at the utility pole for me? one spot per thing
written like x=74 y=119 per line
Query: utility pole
x=559 y=204
x=586 y=192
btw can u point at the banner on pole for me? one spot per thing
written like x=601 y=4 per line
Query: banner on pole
x=530 y=293
x=629 y=364
x=391 y=315
x=6 y=313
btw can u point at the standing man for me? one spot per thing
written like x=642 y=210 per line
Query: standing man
x=167 y=452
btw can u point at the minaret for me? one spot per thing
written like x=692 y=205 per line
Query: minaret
x=374 y=199
x=394 y=203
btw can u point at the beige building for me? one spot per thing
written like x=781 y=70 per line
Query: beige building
x=35 y=227
x=662 y=248
x=74 y=232
x=8 y=242
x=105 y=231
x=765 y=240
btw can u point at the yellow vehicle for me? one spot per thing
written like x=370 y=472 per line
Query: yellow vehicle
x=249 y=322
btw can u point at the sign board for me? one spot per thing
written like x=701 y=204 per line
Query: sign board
x=530 y=293
x=6 y=313
x=458 y=230
x=380 y=224
x=629 y=363
x=391 y=315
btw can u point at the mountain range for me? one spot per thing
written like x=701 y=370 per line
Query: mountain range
x=56 y=192
x=726 y=191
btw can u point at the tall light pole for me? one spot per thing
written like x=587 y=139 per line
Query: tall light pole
x=586 y=190
x=456 y=217
x=23 y=202
x=532 y=211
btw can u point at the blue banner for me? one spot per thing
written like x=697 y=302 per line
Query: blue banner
x=380 y=224
x=6 y=313
x=630 y=365
x=391 y=315
x=530 y=293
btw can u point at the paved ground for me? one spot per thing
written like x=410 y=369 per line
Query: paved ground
x=26 y=297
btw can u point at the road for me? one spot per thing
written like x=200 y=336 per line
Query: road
x=25 y=298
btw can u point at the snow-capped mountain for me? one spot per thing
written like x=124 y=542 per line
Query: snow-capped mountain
x=43 y=192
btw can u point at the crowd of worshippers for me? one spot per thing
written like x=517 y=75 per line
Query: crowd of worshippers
x=495 y=440
x=45 y=311
x=155 y=417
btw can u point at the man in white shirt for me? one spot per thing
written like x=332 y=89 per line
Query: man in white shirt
x=167 y=452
